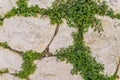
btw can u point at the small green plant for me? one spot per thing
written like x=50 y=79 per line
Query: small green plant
x=79 y=55
x=4 y=71
x=23 y=10
x=1 y=20
x=80 y=14
x=28 y=65
x=4 y=44
x=22 y=3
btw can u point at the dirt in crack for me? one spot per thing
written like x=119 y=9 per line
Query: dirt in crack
x=6 y=46
x=46 y=52
x=117 y=69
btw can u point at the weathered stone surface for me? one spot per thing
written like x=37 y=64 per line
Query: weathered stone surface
x=106 y=47
x=27 y=33
x=35 y=33
x=41 y=3
x=51 y=69
x=63 y=38
x=115 y=5
x=6 y=5
x=10 y=60
x=8 y=77
x=119 y=73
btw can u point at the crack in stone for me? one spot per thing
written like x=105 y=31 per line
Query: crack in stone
x=10 y=71
x=46 y=52
x=20 y=53
x=117 y=69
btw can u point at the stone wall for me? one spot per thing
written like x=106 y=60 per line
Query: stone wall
x=31 y=33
